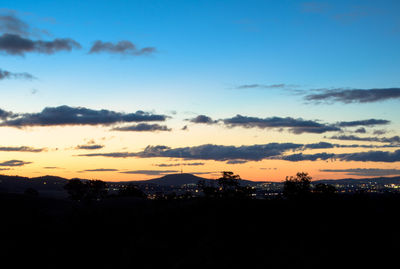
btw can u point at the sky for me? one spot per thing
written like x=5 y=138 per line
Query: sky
x=130 y=90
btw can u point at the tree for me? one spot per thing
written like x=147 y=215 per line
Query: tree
x=131 y=190
x=89 y=190
x=298 y=186
x=76 y=189
x=325 y=190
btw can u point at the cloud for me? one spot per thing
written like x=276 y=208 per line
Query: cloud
x=51 y=167
x=391 y=140
x=360 y=130
x=236 y=161
x=5 y=169
x=207 y=152
x=65 y=115
x=369 y=156
x=307 y=157
x=272 y=86
x=143 y=127
x=150 y=172
x=348 y=96
x=9 y=23
x=122 y=47
x=379 y=132
x=296 y=126
x=178 y=164
x=14 y=163
x=16 y=45
x=100 y=170
x=372 y=156
x=369 y=122
x=202 y=119
x=89 y=147
x=9 y=75
x=364 y=171
x=5 y=114
x=22 y=149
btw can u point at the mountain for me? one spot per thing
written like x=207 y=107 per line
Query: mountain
x=173 y=180
x=182 y=179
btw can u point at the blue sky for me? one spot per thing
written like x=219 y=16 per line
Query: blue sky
x=205 y=50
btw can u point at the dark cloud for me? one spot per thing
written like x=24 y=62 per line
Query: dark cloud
x=203 y=119
x=236 y=161
x=364 y=171
x=100 y=170
x=14 y=163
x=151 y=172
x=391 y=140
x=122 y=47
x=5 y=169
x=369 y=156
x=348 y=96
x=111 y=155
x=89 y=147
x=65 y=115
x=16 y=45
x=208 y=152
x=51 y=167
x=307 y=157
x=9 y=75
x=372 y=156
x=379 y=132
x=178 y=164
x=5 y=114
x=360 y=130
x=369 y=122
x=142 y=127
x=296 y=126
x=22 y=149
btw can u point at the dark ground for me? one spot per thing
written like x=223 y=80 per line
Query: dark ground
x=354 y=231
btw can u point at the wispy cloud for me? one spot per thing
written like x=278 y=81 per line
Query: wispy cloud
x=4 y=74
x=14 y=163
x=348 y=96
x=369 y=122
x=142 y=127
x=391 y=140
x=364 y=171
x=150 y=172
x=100 y=170
x=265 y=86
x=22 y=149
x=122 y=47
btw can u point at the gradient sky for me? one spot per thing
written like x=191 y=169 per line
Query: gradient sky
x=297 y=72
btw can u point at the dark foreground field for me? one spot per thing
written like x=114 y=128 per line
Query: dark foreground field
x=352 y=231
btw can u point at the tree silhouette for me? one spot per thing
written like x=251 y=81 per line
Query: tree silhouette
x=76 y=189
x=324 y=190
x=228 y=187
x=131 y=190
x=298 y=186
x=89 y=190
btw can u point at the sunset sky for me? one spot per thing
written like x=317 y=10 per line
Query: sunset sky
x=128 y=90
